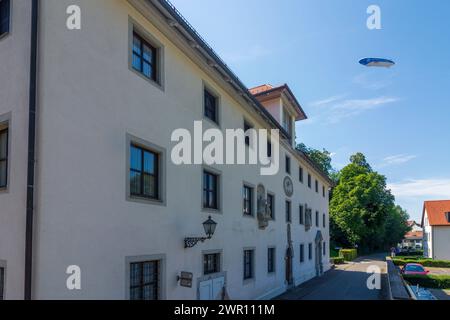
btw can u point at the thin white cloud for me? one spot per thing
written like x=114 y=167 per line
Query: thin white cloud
x=397 y=159
x=428 y=188
x=411 y=194
x=254 y=52
x=353 y=107
x=367 y=81
x=327 y=101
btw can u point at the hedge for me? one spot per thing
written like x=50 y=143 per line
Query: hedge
x=412 y=253
x=429 y=281
x=348 y=254
x=338 y=260
x=425 y=262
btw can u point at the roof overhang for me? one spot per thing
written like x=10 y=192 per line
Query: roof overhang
x=191 y=39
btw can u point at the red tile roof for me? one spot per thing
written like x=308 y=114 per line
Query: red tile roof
x=436 y=211
x=414 y=235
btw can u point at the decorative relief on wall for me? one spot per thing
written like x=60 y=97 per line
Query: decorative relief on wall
x=308 y=218
x=263 y=210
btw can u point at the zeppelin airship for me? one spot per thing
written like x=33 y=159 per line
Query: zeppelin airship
x=377 y=62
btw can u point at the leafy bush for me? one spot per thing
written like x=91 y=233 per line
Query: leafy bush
x=338 y=260
x=425 y=262
x=348 y=254
x=429 y=281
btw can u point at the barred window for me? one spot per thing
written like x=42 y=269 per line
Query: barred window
x=144 y=280
x=211 y=263
x=248 y=264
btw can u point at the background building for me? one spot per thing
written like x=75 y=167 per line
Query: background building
x=436 y=226
x=413 y=239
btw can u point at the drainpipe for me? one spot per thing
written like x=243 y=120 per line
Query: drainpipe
x=31 y=152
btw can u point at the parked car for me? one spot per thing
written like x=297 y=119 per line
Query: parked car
x=414 y=269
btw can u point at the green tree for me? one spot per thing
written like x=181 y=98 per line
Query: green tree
x=321 y=158
x=360 y=205
x=396 y=226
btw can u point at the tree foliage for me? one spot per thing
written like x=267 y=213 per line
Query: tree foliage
x=362 y=209
x=321 y=158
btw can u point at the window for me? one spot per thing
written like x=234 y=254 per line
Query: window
x=144 y=280
x=287 y=122
x=301 y=215
x=324 y=221
x=3 y=157
x=269 y=149
x=211 y=263
x=247 y=194
x=271 y=260
x=144 y=58
x=211 y=106
x=144 y=173
x=309 y=180
x=323 y=191
x=300 y=174
x=310 y=251
x=288 y=212
x=4 y=17
x=248 y=264
x=271 y=205
x=324 y=248
x=247 y=127
x=288 y=165
x=317 y=186
x=2 y=283
x=317 y=218
x=302 y=253
x=210 y=190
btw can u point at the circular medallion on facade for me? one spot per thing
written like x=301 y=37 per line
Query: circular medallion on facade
x=288 y=186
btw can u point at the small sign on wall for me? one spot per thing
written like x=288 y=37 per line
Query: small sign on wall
x=186 y=279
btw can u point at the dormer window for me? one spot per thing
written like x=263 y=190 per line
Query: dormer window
x=287 y=122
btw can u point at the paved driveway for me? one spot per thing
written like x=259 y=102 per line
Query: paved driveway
x=346 y=282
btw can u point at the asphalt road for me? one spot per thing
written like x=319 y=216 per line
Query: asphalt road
x=346 y=282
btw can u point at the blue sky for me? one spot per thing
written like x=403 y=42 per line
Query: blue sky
x=399 y=117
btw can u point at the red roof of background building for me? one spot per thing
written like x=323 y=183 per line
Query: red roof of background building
x=414 y=235
x=436 y=212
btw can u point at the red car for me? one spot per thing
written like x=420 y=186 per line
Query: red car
x=414 y=269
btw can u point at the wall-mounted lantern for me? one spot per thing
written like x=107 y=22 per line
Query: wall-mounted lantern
x=209 y=226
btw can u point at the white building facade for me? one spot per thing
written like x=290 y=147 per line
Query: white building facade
x=436 y=227
x=106 y=195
